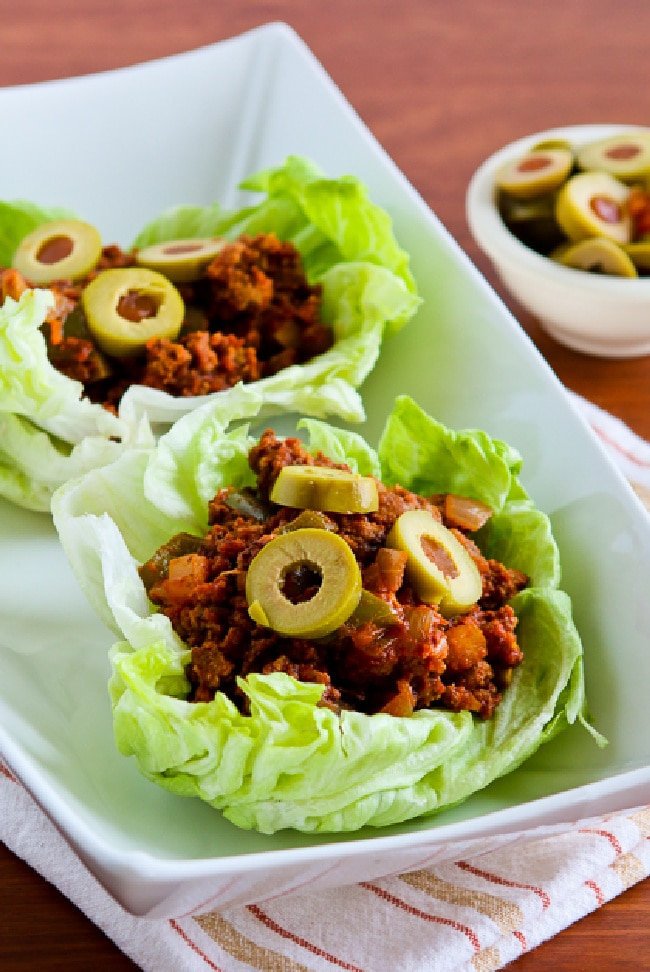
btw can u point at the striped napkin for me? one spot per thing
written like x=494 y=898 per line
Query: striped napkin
x=477 y=911
x=628 y=451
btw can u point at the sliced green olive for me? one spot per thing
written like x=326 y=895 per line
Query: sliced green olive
x=156 y=569
x=324 y=488
x=597 y=255
x=180 y=260
x=97 y=365
x=64 y=249
x=272 y=572
x=438 y=567
x=559 y=252
x=536 y=173
x=639 y=254
x=553 y=143
x=373 y=608
x=313 y=519
x=532 y=221
x=625 y=156
x=247 y=502
x=593 y=204
x=126 y=307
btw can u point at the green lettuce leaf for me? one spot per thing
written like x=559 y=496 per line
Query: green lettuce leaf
x=348 y=246
x=420 y=454
x=290 y=763
x=19 y=218
x=48 y=432
x=329 y=220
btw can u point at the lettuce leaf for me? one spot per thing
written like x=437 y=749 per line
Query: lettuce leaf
x=290 y=763
x=330 y=221
x=48 y=432
x=347 y=244
x=19 y=218
x=419 y=453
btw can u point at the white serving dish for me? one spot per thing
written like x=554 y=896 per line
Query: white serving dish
x=597 y=314
x=185 y=129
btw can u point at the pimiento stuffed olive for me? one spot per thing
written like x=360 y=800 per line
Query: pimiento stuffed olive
x=585 y=207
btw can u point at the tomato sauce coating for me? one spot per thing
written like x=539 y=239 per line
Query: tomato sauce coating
x=251 y=314
x=415 y=659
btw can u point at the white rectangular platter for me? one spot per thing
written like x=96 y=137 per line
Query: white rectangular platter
x=187 y=129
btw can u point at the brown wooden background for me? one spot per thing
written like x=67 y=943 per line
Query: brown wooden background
x=441 y=84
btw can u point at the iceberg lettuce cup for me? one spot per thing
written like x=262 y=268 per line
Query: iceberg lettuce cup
x=48 y=431
x=283 y=760
x=347 y=250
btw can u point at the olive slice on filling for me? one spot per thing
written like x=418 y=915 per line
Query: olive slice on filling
x=303 y=584
x=63 y=249
x=126 y=307
x=538 y=172
x=438 y=567
x=324 y=488
x=593 y=204
x=373 y=608
x=180 y=260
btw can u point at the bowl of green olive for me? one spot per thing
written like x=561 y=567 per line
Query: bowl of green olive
x=564 y=218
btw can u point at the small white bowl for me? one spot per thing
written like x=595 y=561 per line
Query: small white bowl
x=599 y=315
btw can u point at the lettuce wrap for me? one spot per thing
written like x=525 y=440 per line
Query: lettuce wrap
x=346 y=243
x=48 y=431
x=291 y=763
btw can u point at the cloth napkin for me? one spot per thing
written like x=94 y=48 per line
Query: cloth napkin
x=476 y=912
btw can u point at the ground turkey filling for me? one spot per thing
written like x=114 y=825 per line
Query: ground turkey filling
x=418 y=660
x=251 y=314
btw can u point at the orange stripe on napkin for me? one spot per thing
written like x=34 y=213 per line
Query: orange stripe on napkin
x=245 y=950
x=195 y=948
x=603 y=833
x=613 y=443
x=299 y=940
x=496 y=879
x=600 y=897
x=417 y=913
x=7 y=772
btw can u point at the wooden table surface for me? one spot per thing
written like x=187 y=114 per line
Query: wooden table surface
x=441 y=85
